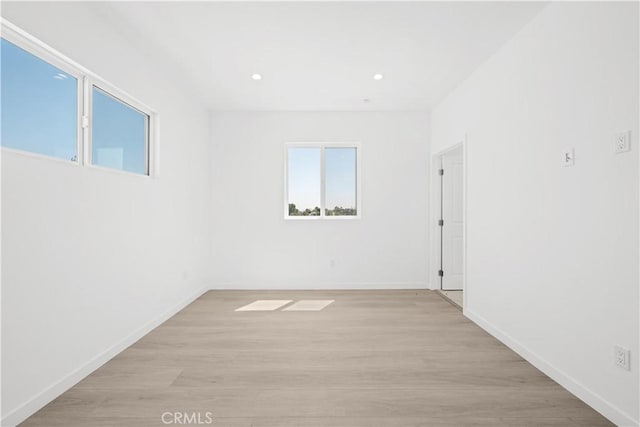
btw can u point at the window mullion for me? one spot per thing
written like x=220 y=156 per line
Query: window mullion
x=86 y=121
x=79 y=129
x=322 y=182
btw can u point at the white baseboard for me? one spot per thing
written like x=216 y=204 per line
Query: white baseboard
x=592 y=399
x=38 y=401
x=254 y=286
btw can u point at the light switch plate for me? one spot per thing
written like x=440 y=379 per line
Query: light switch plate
x=568 y=157
x=622 y=142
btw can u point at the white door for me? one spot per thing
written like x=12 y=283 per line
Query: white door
x=452 y=220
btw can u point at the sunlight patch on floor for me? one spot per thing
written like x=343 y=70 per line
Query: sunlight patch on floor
x=309 y=305
x=277 y=304
x=264 y=305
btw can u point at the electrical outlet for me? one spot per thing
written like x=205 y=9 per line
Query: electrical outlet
x=621 y=357
x=568 y=158
x=622 y=142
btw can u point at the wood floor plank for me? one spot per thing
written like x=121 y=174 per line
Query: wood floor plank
x=372 y=358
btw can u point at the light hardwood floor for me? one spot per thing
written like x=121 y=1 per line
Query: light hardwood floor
x=454 y=297
x=372 y=358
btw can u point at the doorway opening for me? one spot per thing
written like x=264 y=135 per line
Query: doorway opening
x=450 y=221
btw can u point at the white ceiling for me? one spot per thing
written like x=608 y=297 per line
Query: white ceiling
x=319 y=56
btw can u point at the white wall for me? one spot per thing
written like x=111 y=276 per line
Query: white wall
x=255 y=247
x=553 y=251
x=92 y=259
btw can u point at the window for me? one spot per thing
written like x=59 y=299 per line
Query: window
x=53 y=107
x=322 y=181
x=340 y=181
x=39 y=105
x=304 y=181
x=119 y=134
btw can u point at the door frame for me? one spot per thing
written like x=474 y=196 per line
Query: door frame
x=434 y=228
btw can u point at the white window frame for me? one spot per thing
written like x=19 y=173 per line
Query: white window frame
x=322 y=146
x=115 y=93
x=86 y=80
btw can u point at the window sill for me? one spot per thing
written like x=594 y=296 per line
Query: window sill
x=117 y=171
x=39 y=156
x=321 y=218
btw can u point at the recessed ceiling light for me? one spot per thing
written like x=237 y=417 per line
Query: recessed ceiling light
x=377 y=76
x=256 y=76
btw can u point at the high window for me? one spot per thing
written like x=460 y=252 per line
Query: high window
x=55 y=108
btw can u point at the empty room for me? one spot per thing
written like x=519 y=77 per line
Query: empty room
x=327 y=214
